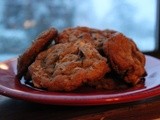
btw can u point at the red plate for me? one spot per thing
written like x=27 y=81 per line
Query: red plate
x=12 y=87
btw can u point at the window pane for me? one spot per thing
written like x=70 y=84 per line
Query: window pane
x=21 y=21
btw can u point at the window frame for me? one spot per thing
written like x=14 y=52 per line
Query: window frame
x=158 y=27
x=156 y=52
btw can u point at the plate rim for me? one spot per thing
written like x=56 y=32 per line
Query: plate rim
x=77 y=100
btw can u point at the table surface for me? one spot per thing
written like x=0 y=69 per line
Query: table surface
x=12 y=109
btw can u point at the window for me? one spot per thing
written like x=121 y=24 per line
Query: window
x=21 y=21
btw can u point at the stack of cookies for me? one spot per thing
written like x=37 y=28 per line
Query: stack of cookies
x=103 y=59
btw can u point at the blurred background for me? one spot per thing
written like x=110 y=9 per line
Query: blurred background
x=22 y=20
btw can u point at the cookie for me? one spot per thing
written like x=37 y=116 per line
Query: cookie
x=40 y=44
x=125 y=58
x=67 y=66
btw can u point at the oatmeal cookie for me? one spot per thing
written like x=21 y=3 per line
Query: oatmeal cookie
x=95 y=36
x=66 y=66
x=40 y=44
x=125 y=58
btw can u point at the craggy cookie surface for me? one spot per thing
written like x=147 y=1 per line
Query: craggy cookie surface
x=95 y=36
x=125 y=58
x=66 y=66
x=39 y=44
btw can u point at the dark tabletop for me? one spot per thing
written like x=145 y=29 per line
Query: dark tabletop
x=11 y=109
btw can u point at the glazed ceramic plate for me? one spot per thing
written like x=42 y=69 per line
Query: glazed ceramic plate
x=12 y=87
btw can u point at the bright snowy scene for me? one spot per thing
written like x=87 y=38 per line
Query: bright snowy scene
x=22 y=20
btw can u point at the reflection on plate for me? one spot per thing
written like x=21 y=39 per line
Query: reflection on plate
x=12 y=87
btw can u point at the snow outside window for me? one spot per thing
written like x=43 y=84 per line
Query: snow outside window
x=22 y=20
